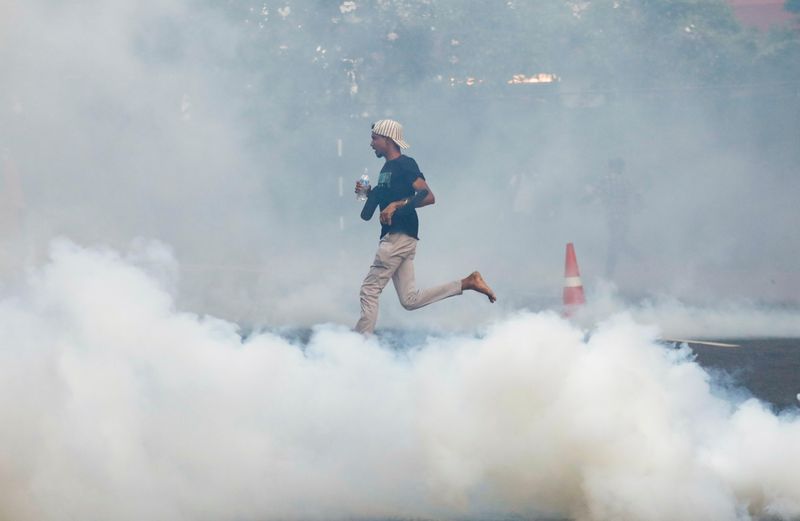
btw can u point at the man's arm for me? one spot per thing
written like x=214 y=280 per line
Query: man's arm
x=423 y=196
x=369 y=206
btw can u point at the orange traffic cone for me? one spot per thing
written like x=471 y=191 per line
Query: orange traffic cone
x=573 y=287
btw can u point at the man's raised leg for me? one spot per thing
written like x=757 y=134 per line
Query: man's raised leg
x=412 y=298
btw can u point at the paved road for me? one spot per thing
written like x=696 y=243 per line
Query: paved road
x=768 y=367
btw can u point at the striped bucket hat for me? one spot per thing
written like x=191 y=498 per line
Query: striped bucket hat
x=391 y=129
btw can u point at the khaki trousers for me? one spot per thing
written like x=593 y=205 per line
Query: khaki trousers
x=395 y=260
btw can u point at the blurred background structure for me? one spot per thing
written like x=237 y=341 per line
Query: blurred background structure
x=764 y=14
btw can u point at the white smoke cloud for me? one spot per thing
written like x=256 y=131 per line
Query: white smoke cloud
x=118 y=405
x=127 y=391
x=740 y=318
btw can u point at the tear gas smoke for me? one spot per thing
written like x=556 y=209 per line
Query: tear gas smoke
x=126 y=391
x=119 y=406
x=739 y=318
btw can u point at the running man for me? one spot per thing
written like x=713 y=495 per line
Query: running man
x=400 y=190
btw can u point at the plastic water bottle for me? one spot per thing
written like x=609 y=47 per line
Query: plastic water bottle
x=363 y=183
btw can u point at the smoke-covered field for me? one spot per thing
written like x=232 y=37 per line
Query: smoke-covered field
x=181 y=255
x=117 y=405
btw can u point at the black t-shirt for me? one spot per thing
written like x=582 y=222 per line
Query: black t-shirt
x=396 y=182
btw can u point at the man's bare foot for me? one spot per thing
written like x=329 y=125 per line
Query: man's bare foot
x=476 y=283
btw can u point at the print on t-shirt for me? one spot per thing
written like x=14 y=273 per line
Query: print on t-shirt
x=385 y=178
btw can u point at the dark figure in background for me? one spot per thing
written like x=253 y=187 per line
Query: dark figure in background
x=400 y=190
x=616 y=194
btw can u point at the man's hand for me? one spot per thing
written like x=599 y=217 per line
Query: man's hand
x=362 y=190
x=388 y=212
